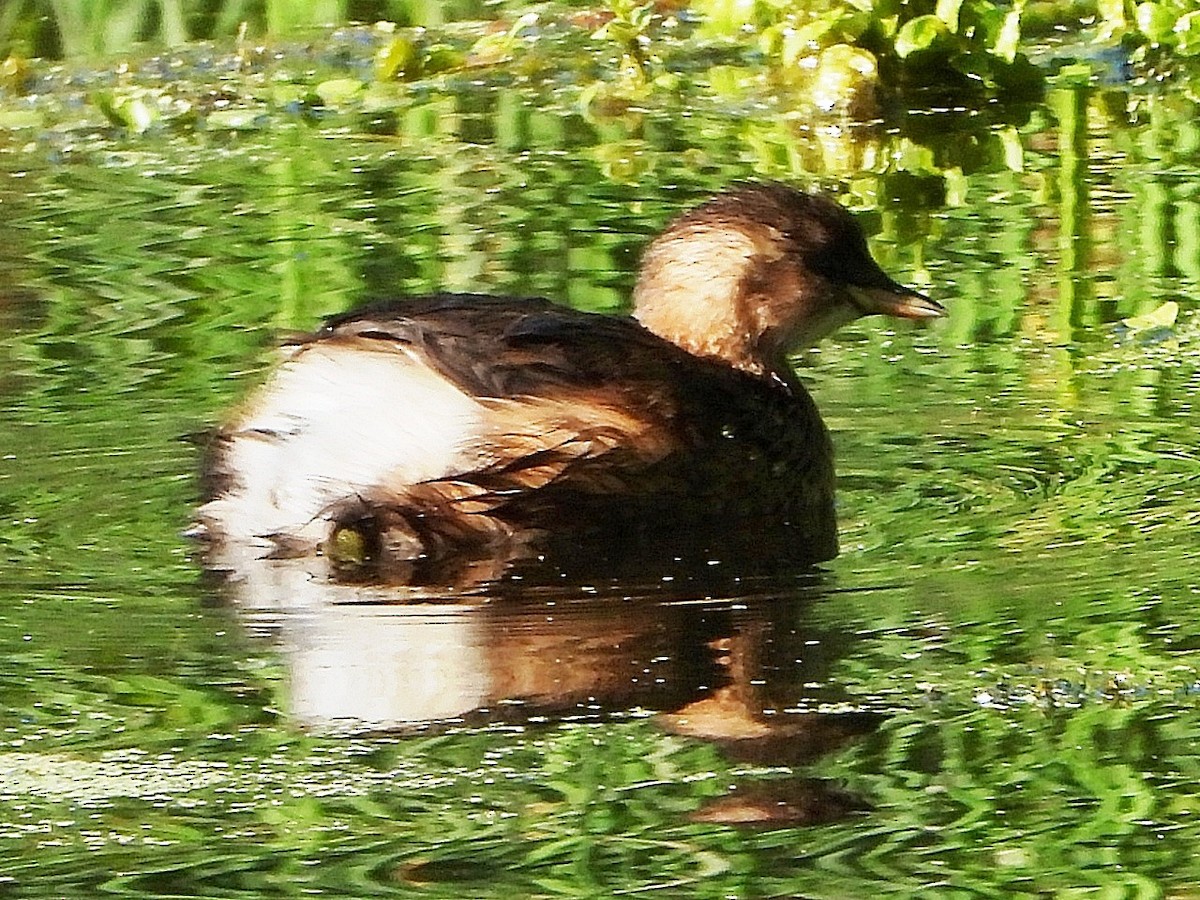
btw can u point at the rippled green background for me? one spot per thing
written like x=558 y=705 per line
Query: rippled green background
x=1019 y=490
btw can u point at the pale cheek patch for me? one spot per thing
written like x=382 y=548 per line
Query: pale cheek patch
x=334 y=421
x=689 y=289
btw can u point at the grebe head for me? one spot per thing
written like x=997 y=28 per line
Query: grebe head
x=761 y=270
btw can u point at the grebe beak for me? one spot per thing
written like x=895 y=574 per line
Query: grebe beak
x=895 y=300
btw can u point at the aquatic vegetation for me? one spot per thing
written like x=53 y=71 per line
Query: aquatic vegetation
x=957 y=48
x=843 y=58
x=1160 y=33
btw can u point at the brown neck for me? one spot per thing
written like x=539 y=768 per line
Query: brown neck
x=713 y=333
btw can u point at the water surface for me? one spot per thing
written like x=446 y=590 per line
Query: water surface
x=991 y=692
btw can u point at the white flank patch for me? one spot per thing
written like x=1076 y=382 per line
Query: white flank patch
x=333 y=421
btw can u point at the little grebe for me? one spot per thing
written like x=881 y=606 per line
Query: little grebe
x=462 y=424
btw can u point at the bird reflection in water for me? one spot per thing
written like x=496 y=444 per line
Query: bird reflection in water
x=738 y=674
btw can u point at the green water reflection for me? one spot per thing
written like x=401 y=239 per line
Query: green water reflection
x=1018 y=502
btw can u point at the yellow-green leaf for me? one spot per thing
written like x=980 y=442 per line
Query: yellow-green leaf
x=947 y=11
x=398 y=58
x=337 y=91
x=1162 y=317
x=918 y=34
